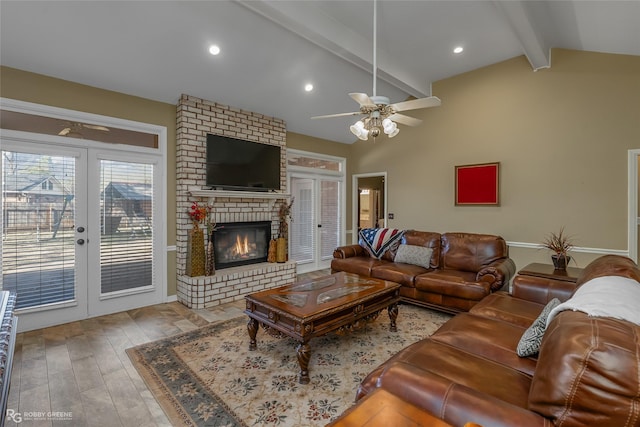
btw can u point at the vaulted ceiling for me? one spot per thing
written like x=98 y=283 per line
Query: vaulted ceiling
x=271 y=49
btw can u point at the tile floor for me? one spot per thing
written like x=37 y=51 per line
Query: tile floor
x=80 y=374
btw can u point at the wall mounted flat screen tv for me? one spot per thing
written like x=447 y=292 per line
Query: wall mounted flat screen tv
x=236 y=164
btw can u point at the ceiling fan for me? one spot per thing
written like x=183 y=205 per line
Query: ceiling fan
x=379 y=112
x=73 y=129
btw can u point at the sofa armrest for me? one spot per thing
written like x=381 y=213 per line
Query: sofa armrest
x=349 y=251
x=497 y=274
x=454 y=403
x=541 y=290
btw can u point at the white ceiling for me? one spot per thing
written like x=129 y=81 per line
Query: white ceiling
x=270 y=49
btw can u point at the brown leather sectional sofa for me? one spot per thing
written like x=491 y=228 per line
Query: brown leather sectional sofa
x=587 y=372
x=464 y=268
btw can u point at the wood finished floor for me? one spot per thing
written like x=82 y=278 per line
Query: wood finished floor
x=81 y=368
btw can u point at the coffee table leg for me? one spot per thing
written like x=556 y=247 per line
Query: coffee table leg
x=304 y=355
x=252 y=327
x=393 y=315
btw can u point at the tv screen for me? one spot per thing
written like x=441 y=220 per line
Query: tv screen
x=236 y=164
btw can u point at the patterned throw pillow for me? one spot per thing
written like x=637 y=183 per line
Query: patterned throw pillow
x=379 y=240
x=532 y=338
x=412 y=254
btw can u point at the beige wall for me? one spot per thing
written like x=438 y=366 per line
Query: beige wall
x=561 y=135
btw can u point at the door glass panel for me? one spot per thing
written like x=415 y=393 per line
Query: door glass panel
x=330 y=217
x=126 y=237
x=301 y=228
x=294 y=159
x=38 y=214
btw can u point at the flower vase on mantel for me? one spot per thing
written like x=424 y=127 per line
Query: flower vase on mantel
x=195 y=252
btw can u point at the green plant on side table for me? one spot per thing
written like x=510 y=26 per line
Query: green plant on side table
x=561 y=245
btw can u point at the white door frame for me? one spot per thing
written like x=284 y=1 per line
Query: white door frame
x=111 y=122
x=633 y=215
x=319 y=174
x=354 y=201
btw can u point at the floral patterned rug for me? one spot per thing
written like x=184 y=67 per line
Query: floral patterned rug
x=208 y=377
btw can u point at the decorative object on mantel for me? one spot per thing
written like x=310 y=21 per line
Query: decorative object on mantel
x=560 y=244
x=195 y=242
x=284 y=215
x=210 y=268
x=271 y=255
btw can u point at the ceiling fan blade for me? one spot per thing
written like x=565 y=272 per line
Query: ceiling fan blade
x=96 y=127
x=64 y=131
x=414 y=104
x=354 y=113
x=362 y=99
x=405 y=120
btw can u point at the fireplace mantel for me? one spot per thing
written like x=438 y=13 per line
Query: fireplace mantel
x=212 y=194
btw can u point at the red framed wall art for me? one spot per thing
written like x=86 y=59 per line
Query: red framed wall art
x=478 y=184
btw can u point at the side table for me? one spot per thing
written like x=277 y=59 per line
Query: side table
x=541 y=282
x=383 y=409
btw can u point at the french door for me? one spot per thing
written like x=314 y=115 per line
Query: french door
x=316 y=226
x=79 y=231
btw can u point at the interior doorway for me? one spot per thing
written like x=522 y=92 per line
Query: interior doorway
x=369 y=202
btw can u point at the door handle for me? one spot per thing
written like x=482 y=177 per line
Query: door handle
x=319 y=225
x=80 y=241
x=80 y=229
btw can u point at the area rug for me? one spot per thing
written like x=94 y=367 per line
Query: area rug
x=208 y=377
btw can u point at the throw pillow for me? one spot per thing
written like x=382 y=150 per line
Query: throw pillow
x=379 y=240
x=412 y=254
x=532 y=338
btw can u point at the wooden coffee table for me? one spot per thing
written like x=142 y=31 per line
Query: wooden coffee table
x=339 y=302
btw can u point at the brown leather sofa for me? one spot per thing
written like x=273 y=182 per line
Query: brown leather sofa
x=587 y=371
x=464 y=268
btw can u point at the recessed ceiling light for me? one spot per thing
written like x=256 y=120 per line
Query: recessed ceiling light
x=214 y=49
x=308 y=87
x=458 y=49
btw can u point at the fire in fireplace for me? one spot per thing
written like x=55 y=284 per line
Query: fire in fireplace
x=241 y=243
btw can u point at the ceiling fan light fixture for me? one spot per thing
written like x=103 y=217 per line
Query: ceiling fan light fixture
x=359 y=130
x=390 y=127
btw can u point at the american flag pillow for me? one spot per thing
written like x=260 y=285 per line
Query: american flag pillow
x=379 y=240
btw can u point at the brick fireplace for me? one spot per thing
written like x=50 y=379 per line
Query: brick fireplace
x=195 y=118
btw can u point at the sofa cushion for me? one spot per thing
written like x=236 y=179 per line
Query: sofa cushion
x=428 y=240
x=588 y=372
x=416 y=362
x=471 y=252
x=456 y=283
x=491 y=338
x=397 y=272
x=506 y=308
x=529 y=343
x=412 y=254
x=377 y=241
x=610 y=265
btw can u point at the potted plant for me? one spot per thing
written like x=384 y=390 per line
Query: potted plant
x=561 y=245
